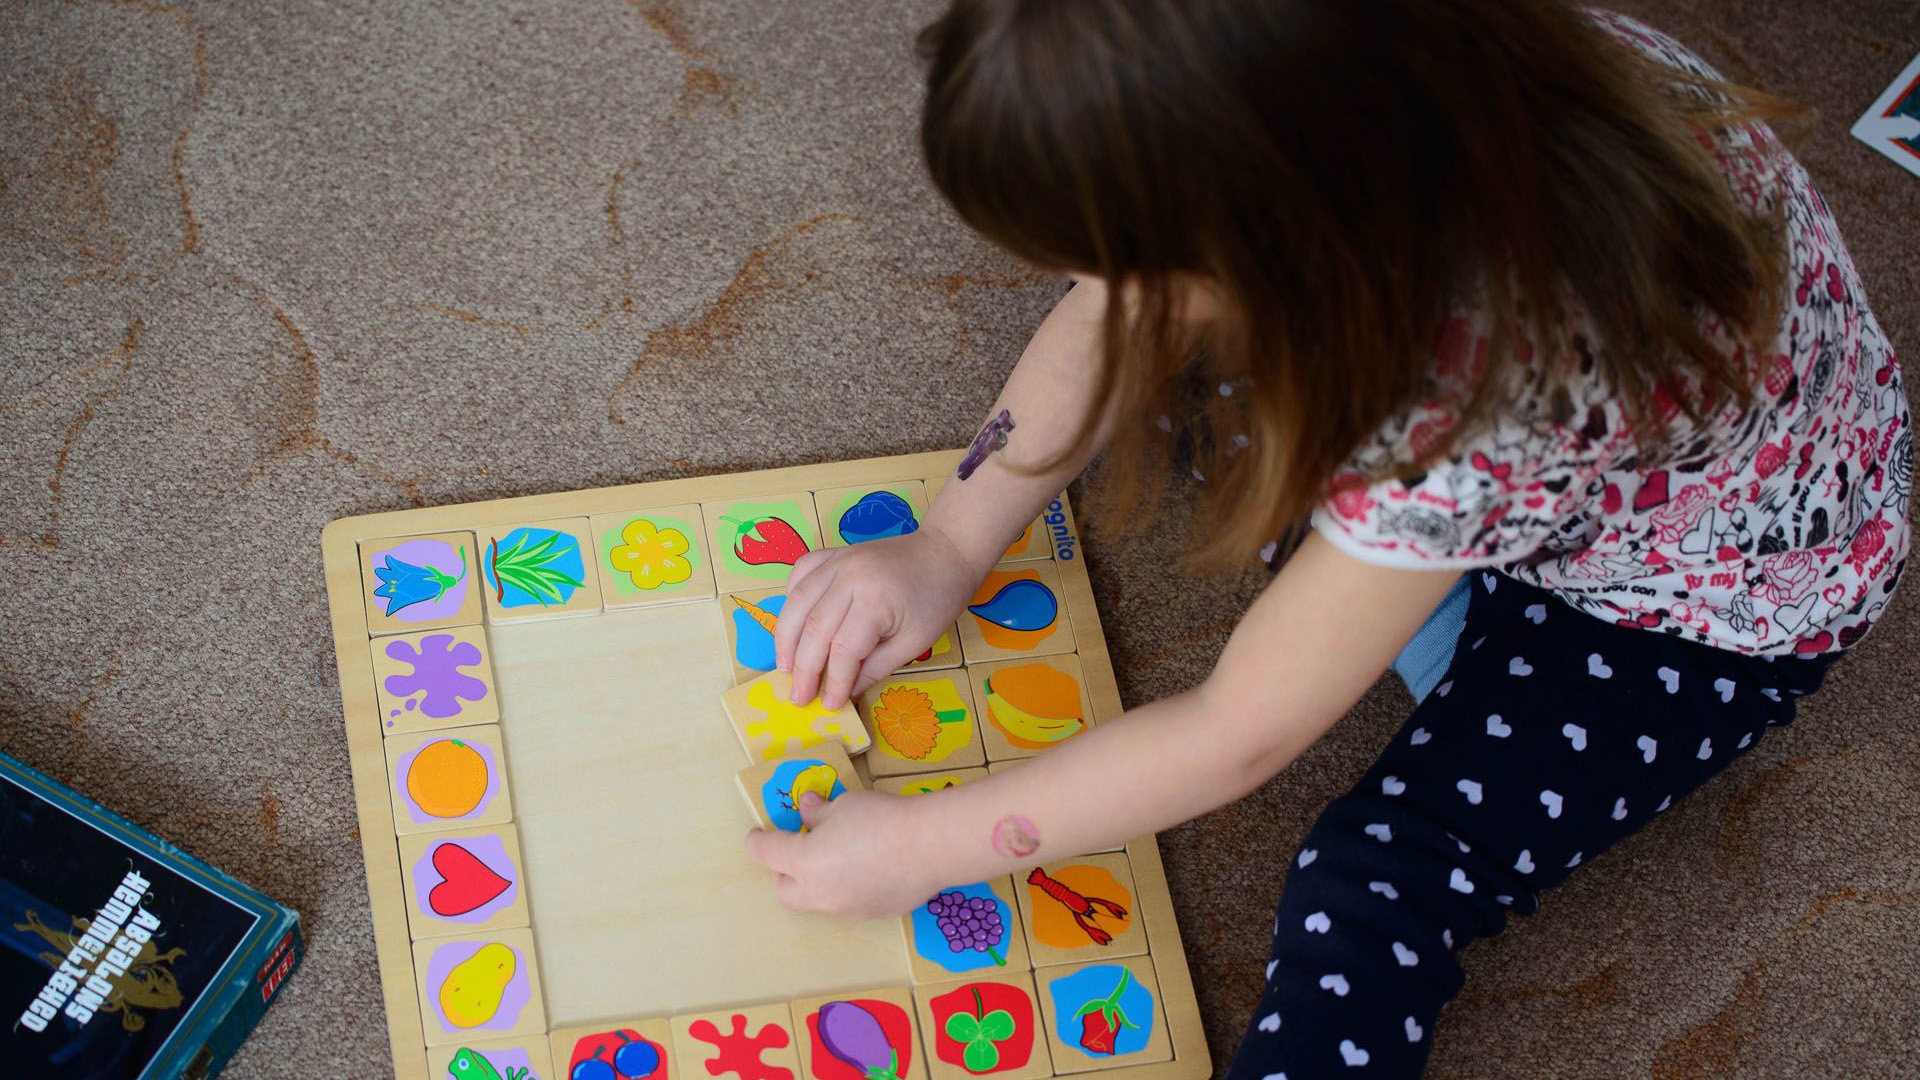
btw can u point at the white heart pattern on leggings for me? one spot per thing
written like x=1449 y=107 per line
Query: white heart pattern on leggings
x=1393 y=785
x=1335 y=983
x=1575 y=861
x=1497 y=727
x=1353 y=1055
x=1597 y=667
x=1271 y=964
x=1270 y=1023
x=1384 y=888
x=1647 y=747
x=1414 y=1030
x=1318 y=923
x=1538 y=613
x=1745 y=740
x=1524 y=863
x=1671 y=678
x=1458 y=882
x=1471 y=789
x=1406 y=956
x=1576 y=735
x=1706 y=749
x=1488 y=580
x=1444 y=688
x=1420 y=736
x=1519 y=666
x=1551 y=800
x=1620 y=808
x=1379 y=831
x=1307 y=855
x=1725 y=686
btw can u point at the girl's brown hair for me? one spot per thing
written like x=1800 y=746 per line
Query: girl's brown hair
x=1344 y=173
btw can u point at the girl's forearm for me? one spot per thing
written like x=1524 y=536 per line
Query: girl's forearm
x=1046 y=400
x=1146 y=770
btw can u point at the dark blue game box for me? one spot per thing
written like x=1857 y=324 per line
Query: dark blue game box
x=123 y=956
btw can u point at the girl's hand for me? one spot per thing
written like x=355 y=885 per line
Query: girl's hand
x=859 y=857
x=855 y=614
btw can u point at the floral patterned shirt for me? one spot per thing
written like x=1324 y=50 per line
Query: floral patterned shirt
x=1778 y=529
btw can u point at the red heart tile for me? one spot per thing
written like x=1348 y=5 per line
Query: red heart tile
x=467 y=884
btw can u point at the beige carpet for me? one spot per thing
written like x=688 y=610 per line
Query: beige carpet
x=264 y=264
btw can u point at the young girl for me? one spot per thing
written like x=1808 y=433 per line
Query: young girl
x=1554 y=346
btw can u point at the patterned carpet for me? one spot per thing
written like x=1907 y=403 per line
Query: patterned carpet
x=266 y=264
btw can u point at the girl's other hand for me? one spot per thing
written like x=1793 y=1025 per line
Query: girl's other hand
x=855 y=614
x=857 y=859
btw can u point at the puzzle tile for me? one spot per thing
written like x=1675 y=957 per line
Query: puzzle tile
x=965 y=1039
x=750 y=618
x=539 y=570
x=443 y=780
x=921 y=721
x=1103 y=1015
x=463 y=882
x=435 y=679
x=507 y=1058
x=1030 y=706
x=926 y=783
x=1018 y=611
x=943 y=653
x=993 y=941
x=863 y=1035
x=1080 y=909
x=736 y=1044
x=854 y=515
x=769 y=727
x=420 y=582
x=633 y=1049
x=479 y=987
x=652 y=556
x=771 y=788
x=755 y=542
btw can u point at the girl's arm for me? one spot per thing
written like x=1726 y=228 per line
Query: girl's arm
x=1319 y=635
x=854 y=615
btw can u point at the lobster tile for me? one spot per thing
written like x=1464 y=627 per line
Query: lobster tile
x=1022 y=1056
x=852 y=515
x=754 y=542
x=768 y=786
x=1054 y=936
x=931 y=956
x=921 y=721
x=891 y=1006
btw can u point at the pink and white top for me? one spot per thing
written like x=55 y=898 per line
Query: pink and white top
x=1780 y=529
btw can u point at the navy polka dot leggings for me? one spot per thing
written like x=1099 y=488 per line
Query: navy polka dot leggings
x=1550 y=735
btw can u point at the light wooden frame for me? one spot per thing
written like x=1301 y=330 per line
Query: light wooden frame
x=340 y=543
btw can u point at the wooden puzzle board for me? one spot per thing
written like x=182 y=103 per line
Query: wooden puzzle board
x=620 y=761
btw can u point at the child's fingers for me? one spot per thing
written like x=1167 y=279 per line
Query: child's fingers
x=791 y=624
x=818 y=628
x=812 y=809
x=777 y=851
x=888 y=657
x=852 y=644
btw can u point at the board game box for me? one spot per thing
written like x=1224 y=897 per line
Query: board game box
x=125 y=956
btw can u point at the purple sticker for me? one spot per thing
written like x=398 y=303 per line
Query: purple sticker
x=992 y=437
x=472 y=868
x=436 y=675
x=421 y=817
x=478 y=994
x=420 y=581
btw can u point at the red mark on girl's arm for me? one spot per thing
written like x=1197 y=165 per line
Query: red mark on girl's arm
x=1015 y=837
